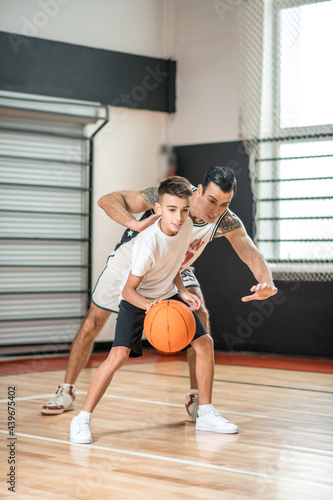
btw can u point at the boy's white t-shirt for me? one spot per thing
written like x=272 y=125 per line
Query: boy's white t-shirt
x=157 y=257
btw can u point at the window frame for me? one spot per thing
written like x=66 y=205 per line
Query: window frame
x=283 y=135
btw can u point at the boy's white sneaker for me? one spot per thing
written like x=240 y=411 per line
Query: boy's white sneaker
x=61 y=401
x=80 y=430
x=213 y=422
x=191 y=405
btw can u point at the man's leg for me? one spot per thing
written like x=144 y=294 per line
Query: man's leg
x=84 y=341
x=63 y=400
x=208 y=418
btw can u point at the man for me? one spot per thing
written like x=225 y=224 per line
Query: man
x=211 y=218
x=157 y=254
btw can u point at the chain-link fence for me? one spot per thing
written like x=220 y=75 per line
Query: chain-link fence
x=287 y=127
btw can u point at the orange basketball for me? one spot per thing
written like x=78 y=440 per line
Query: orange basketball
x=169 y=326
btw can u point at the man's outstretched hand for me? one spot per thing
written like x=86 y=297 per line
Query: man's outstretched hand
x=261 y=291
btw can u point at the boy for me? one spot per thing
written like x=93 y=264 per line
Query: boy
x=157 y=255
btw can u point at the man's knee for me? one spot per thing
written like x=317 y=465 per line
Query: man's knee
x=94 y=321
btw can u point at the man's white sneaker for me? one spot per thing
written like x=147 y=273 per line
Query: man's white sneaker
x=63 y=400
x=191 y=405
x=213 y=422
x=80 y=430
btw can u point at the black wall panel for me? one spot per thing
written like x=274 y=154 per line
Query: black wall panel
x=37 y=66
x=194 y=161
x=297 y=321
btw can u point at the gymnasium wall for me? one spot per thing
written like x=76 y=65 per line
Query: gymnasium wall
x=202 y=36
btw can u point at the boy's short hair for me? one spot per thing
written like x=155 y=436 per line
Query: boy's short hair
x=175 y=186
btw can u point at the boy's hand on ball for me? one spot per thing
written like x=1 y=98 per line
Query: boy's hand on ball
x=192 y=300
x=151 y=304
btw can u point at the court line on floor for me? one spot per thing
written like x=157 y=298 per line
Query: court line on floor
x=191 y=463
x=186 y=377
x=176 y=405
x=230 y=381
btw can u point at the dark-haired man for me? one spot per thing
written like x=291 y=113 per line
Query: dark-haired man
x=211 y=218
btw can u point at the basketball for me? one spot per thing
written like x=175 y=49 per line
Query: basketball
x=169 y=326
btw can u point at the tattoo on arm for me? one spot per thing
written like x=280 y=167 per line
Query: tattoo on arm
x=150 y=195
x=230 y=222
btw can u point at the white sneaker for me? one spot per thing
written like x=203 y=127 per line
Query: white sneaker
x=191 y=405
x=80 y=430
x=63 y=400
x=213 y=421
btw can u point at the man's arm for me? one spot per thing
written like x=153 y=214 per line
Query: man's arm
x=120 y=206
x=232 y=228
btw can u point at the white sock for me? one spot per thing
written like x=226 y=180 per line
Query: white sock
x=85 y=414
x=193 y=391
x=68 y=386
x=204 y=409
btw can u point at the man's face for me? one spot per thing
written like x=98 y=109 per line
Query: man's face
x=212 y=203
x=174 y=212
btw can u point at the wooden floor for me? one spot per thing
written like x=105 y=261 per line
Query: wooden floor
x=143 y=449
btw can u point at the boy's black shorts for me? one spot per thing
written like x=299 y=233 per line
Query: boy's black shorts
x=130 y=324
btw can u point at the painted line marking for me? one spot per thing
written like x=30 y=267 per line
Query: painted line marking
x=176 y=405
x=192 y=463
x=232 y=381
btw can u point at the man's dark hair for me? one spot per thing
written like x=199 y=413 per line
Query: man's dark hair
x=223 y=177
x=176 y=186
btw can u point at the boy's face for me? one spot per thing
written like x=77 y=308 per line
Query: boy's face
x=174 y=212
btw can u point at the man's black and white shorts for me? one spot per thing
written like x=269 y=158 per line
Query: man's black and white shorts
x=130 y=323
x=107 y=292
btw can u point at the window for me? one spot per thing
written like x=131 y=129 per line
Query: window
x=304 y=55
x=294 y=155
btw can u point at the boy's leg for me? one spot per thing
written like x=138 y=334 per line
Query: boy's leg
x=204 y=351
x=127 y=338
x=80 y=425
x=191 y=398
x=102 y=378
x=208 y=418
x=204 y=317
x=64 y=398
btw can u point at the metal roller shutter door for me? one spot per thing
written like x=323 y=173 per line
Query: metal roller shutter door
x=44 y=226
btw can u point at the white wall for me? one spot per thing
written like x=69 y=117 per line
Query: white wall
x=134 y=26
x=204 y=40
